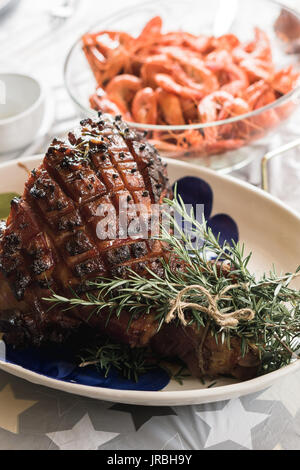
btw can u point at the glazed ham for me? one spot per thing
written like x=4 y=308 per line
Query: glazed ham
x=51 y=243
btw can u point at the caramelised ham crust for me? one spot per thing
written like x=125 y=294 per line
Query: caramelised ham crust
x=50 y=242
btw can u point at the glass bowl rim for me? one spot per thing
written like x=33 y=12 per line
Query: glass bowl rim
x=185 y=127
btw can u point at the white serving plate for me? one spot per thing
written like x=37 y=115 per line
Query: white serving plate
x=268 y=228
x=22 y=112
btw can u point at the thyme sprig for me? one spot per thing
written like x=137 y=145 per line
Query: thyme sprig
x=274 y=331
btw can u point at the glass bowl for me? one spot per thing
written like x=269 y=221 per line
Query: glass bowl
x=240 y=18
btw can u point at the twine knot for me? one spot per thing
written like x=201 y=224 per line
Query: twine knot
x=222 y=319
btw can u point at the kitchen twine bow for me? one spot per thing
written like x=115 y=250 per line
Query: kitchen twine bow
x=222 y=319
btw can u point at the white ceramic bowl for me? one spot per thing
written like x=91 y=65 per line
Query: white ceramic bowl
x=269 y=229
x=22 y=102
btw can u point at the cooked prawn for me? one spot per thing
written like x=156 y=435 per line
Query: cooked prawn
x=234 y=108
x=189 y=110
x=170 y=107
x=254 y=92
x=152 y=28
x=232 y=78
x=107 y=53
x=168 y=84
x=144 y=106
x=285 y=80
x=164 y=146
x=197 y=71
x=259 y=48
x=209 y=110
x=211 y=105
x=200 y=44
x=121 y=91
x=178 y=78
x=219 y=146
x=152 y=66
x=188 y=139
x=171 y=141
x=227 y=42
x=102 y=103
x=257 y=69
x=269 y=118
x=218 y=59
x=219 y=106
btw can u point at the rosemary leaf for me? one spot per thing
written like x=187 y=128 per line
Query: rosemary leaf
x=276 y=321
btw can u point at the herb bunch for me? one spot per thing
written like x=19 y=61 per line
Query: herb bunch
x=131 y=363
x=274 y=330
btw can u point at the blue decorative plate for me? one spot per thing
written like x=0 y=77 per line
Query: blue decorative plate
x=268 y=229
x=58 y=363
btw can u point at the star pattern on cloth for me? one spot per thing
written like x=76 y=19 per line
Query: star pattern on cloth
x=142 y=414
x=10 y=409
x=286 y=391
x=83 y=436
x=175 y=442
x=232 y=423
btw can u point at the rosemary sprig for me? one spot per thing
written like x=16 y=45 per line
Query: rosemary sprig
x=131 y=363
x=274 y=330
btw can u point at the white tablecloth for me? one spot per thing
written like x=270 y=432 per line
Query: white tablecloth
x=33 y=417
